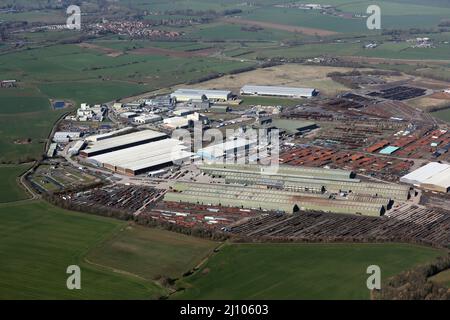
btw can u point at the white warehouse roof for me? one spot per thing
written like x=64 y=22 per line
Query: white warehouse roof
x=197 y=94
x=432 y=175
x=146 y=156
x=278 y=91
x=218 y=150
x=123 y=140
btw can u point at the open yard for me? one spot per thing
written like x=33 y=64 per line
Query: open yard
x=298 y=271
x=285 y=75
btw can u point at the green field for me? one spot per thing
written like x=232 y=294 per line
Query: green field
x=298 y=271
x=394 y=16
x=268 y=101
x=38 y=242
x=151 y=252
x=9 y=189
x=442 y=114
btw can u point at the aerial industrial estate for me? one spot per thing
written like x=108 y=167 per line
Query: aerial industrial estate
x=225 y=152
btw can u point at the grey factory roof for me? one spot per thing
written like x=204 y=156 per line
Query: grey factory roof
x=283 y=170
x=277 y=91
x=334 y=181
x=269 y=199
x=123 y=140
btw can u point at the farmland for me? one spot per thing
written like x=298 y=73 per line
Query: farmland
x=296 y=271
x=9 y=189
x=151 y=252
x=40 y=241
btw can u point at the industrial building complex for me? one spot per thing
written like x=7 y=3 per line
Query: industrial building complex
x=290 y=189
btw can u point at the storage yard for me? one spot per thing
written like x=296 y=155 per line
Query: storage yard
x=130 y=199
x=390 y=169
x=405 y=224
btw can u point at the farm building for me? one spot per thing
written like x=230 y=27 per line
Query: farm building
x=122 y=142
x=271 y=91
x=251 y=197
x=185 y=95
x=226 y=149
x=143 y=158
x=433 y=176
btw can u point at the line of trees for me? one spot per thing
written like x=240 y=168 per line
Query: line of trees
x=415 y=284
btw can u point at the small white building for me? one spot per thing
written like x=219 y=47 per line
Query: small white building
x=147 y=118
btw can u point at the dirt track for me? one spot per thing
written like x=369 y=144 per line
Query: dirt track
x=283 y=27
x=173 y=53
x=108 y=51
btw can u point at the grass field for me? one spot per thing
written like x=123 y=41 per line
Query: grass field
x=9 y=189
x=298 y=271
x=268 y=101
x=151 y=252
x=442 y=114
x=38 y=242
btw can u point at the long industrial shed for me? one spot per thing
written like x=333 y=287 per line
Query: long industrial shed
x=122 y=142
x=268 y=199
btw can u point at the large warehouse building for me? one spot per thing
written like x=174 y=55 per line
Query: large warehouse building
x=144 y=158
x=433 y=176
x=122 y=142
x=306 y=179
x=185 y=95
x=271 y=91
x=251 y=197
